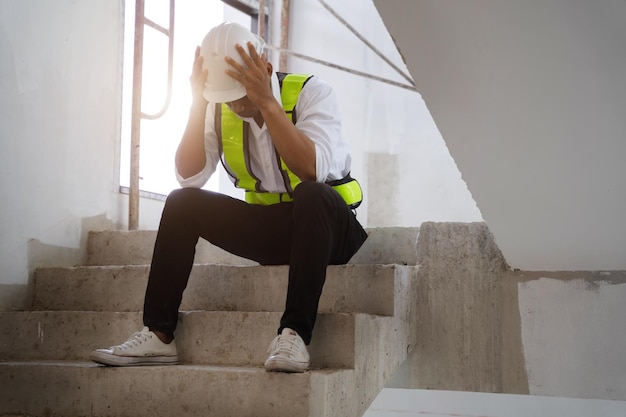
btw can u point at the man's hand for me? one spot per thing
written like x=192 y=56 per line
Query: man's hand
x=294 y=147
x=197 y=79
x=190 y=155
x=254 y=75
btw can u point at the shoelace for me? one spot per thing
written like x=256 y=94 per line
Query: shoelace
x=135 y=340
x=285 y=344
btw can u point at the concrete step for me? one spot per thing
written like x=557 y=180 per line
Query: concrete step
x=214 y=338
x=385 y=245
x=349 y=288
x=78 y=389
x=373 y=345
x=66 y=388
x=231 y=309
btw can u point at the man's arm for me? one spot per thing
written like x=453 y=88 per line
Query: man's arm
x=190 y=155
x=294 y=147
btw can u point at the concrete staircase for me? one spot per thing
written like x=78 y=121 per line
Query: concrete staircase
x=231 y=308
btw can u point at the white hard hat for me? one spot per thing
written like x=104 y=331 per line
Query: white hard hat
x=217 y=44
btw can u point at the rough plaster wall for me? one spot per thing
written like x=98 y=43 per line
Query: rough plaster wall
x=382 y=182
x=59 y=100
x=530 y=99
x=469 y=336
x=574 y=333
x=483 y=327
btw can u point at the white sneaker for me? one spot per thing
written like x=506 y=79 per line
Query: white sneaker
x=143 y=348
x=287 y=353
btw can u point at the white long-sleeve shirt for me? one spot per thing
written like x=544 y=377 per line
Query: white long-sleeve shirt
x=317 y=113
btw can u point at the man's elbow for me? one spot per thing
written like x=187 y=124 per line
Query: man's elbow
x=308 y=174
x=188 y=170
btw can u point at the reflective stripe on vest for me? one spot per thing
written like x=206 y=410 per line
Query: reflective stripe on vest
x=235 y=144
x=290 y=89
x=235 y=150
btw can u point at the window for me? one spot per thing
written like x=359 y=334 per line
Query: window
x=159 y=138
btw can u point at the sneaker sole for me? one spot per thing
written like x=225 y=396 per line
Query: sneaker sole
x=114 y=360
x=285 y=365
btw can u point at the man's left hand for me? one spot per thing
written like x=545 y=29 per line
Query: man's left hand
x=254 y=75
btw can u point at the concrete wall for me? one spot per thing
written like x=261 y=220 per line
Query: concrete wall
x=485 y=328
x=574 y=333
x=60 y=104
x=530 y=99
x=60 y=67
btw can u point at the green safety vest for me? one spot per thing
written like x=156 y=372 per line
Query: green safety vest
x=232 y=133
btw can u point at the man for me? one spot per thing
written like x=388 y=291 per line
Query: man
x=280 y=142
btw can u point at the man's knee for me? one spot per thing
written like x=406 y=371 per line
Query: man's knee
x=181 y=194
x=313 y=193
x=180 y=201
x=309 y=188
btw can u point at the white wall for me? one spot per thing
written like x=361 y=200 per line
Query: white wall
x=60 y=78
x=530 y=98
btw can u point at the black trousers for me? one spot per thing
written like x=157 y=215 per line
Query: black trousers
x=317 y=229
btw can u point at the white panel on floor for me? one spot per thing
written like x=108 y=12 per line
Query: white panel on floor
x=423 y=403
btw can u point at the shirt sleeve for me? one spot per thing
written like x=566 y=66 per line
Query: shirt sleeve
x=317 y=116
x=211 y=149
